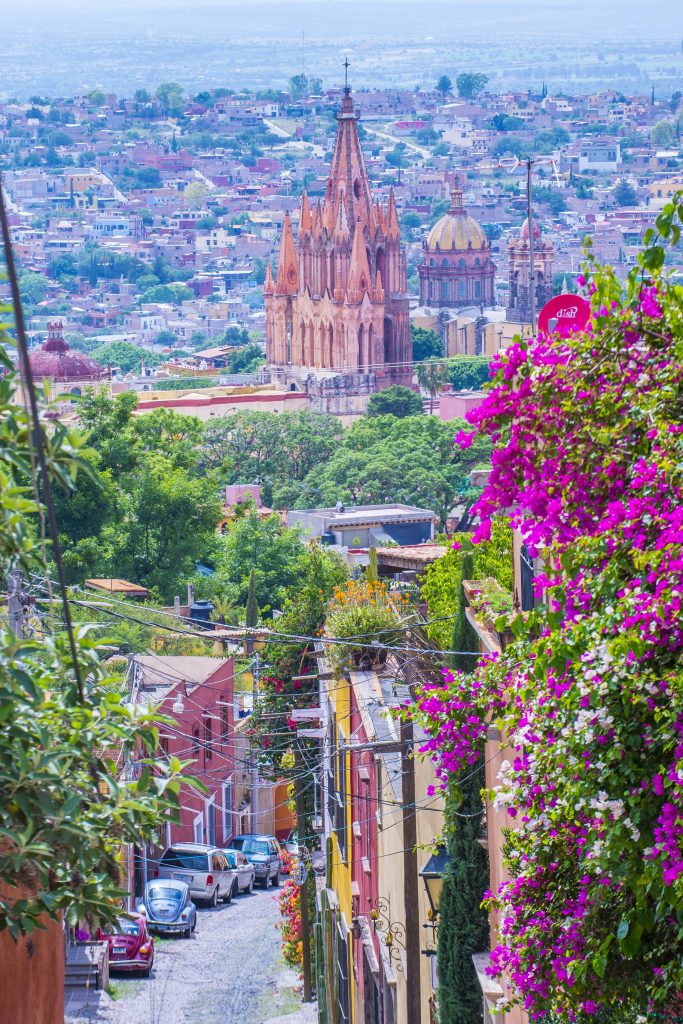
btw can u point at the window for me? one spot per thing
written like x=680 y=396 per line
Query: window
x=378 y=777
x=340 y=816
x=526 y=579
x=331 y=788
x=179 y=858
x=224 y=720
x=195 y=742
x=210 y=805
x=208 y=738
x=227 y=794
x=343 y=979
x=462 y=289
x=477 y=289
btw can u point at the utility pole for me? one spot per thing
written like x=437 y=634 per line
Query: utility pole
x=15 y=609
x=532 y=269
x=303 y=889
x=410 y=874
x=254 y=762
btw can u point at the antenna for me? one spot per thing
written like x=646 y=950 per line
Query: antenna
x=346 y=73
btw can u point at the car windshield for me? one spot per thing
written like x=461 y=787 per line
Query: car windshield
x=183 y=859
x=165 y=892
x=124 y=926
x=252 y=846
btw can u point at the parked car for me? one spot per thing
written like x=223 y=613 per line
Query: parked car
x=131 y=947
x=244 y=872
x=204 y=868
x=168 y=908
x=264 y=854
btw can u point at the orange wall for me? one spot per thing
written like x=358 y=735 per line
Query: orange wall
x=32 y=975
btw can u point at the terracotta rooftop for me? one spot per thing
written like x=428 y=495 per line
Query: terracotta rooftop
x=118 y=587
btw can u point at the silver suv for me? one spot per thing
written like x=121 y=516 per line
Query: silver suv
x=204 y=869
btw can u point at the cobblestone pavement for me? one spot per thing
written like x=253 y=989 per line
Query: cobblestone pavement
x=229 y=972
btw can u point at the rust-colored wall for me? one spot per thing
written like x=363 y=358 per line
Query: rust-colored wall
x=32 y=975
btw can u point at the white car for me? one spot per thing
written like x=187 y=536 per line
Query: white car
x=203 y=868
x=244 y=872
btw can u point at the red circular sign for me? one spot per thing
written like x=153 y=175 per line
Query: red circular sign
x=563 y=314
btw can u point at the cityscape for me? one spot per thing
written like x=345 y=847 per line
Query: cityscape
x=340 y=464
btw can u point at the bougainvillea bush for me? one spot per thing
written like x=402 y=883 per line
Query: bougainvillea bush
x=588 y=462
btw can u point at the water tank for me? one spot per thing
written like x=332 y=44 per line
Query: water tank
x=200 y=614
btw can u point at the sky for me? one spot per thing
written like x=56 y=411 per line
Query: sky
x=61 y=47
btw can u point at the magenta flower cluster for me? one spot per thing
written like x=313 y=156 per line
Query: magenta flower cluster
x=588 y=466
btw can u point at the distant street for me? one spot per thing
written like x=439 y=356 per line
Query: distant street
x=227 y=973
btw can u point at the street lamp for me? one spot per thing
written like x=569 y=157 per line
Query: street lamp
x=178 y=704
x=432 y=875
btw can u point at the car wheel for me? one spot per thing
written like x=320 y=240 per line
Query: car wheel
x=194 y=923
x=250 y=888
x=235 y=888
x=187 y=933
x=264 y=882
x=228 y=896
x=276 y=880
x=214 y=898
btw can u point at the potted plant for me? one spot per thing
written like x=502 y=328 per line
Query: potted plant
x=367 y=614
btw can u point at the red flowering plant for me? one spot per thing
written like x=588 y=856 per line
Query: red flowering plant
x=289 y=902
x=588 y=462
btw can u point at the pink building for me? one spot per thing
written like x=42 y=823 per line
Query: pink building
x=198 y=694
x=454 y=405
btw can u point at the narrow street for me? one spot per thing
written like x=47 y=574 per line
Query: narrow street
x=229 y=972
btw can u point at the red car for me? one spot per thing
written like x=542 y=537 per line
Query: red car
x=131 y=947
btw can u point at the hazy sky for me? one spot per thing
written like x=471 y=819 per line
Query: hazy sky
x=63 y=46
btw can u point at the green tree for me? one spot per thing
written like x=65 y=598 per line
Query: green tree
x=97 y=97
x=625 y=194
x=64 y=814
x=426 y=343
x=432 y=374
x=398 y=158
x=168 y=523
x=463 y=924
x=444 y=86
x=395 y=401
x=383 y=459
x=33 y=287
x=298 y=87
x=238 y=336
x=126 y=356
x=470 y=84
x=662 y=134
x=142 y=97
x=468 y=373
x=251 y=611
x=171 y=98
x=263 y=545
x=246 y=359
x=174 y=293
x=463 y=637
x=506 y=123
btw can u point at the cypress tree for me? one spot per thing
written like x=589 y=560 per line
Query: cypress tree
x=464 y=638
x=251 y=617
x=463 y=925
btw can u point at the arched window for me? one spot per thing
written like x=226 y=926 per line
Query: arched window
x=445 y=290
x=370 y=353
x=362 y=358
x=432 y=262
x=462 y=289
x=462 y=262
x=381 y=266
x=388 y=339
x=444 y=262
x=330 y=346
x=477 y=262
x=477 y=289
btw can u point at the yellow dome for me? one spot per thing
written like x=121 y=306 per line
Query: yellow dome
x=456 y=230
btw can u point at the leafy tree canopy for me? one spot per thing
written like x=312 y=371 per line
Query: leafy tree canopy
x=426 y=343
x=470 y=84
x=395 y=401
